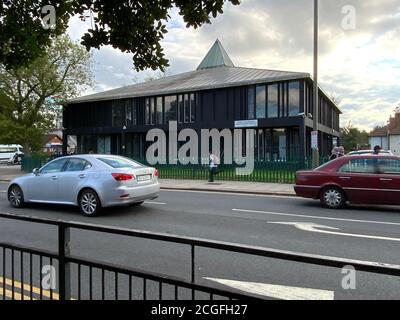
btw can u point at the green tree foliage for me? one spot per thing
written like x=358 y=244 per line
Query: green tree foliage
x=353 y=138
x=135 y=27
x=32 y=95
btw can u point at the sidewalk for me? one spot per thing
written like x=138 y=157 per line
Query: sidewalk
x=7 y=173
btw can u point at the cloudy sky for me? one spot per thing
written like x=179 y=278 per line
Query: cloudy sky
x=360 y=66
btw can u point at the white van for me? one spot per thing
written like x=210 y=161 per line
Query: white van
x=8 y=150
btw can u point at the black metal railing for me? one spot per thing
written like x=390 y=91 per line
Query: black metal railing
x=23 y=276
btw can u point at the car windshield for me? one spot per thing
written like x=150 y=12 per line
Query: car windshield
x=119 y=163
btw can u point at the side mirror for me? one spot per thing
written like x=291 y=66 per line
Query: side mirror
x=36 y=171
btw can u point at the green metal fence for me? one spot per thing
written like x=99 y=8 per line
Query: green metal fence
x=266 y=171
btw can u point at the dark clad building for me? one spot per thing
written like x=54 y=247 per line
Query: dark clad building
x=216 y=95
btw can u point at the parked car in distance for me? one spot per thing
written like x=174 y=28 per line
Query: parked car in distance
x=9 y=150
x=90 y=181
x=357 y=179
x=369 y=152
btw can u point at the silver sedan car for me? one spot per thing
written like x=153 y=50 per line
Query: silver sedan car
x=90 y=181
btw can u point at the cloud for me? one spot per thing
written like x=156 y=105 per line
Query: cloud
x=360 y=66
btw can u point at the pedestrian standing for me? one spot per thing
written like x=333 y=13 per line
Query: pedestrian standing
x=212 y=167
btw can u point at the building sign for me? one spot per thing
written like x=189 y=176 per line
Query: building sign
x=246 y=124
x=314 y=140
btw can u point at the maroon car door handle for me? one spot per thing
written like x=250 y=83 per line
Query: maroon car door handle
x=386 y=179
x=344 y=178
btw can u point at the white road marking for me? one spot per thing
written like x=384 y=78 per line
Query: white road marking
x=277 y=291
x=152 y=202
x=231 y=193
x=311 y=227
x=316 y=217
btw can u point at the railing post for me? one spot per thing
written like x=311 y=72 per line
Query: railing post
x=64 y=268
x=193 y=280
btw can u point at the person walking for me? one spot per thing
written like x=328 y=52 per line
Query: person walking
x=334 y=153
x=212 y=167
x=377 y=149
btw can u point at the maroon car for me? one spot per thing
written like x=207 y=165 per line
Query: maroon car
x=358 y=179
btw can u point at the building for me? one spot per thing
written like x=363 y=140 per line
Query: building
x=215 y=95
x=387 y=137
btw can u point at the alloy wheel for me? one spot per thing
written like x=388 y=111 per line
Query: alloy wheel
x=89 y=203
x=333 y=198
x=15 y=197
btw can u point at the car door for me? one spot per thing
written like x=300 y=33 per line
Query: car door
x=45 y=186
x=389 y=177
x=359 y=179
x=73 y=176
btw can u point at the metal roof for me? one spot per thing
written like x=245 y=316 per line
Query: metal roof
x=216 y=57
x=204 y=79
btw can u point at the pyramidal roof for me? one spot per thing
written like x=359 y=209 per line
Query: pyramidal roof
x=216 y=57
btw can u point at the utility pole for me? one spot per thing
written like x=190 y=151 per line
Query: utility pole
x=315 y=151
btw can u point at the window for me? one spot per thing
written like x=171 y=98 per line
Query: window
x=8 y=150
x=187 y=109
x=388 y=166
x=359 y=166
x=294 y=99
x=54 y=166
x=260 y=102
x=77 y=165
x=192 y=108
x=273 y=101
x=152 y=111
x=147 y=111
x=170 y=108
x=120 y=163
x=181 y=109
x=104 y=144
x=250 y=103
x=283 y=100
x=118 y=113
x=159 y=109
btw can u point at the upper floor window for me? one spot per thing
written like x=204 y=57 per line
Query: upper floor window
x=294 y=99
x=118 y=113
x=250 y=103
x=260 y=102
x=170 y=108
x=273 y=101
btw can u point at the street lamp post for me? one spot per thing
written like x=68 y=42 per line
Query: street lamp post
x=315 y=151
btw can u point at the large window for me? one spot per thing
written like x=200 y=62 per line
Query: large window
x=147 y=111
x=159 y=109
x=294 y=99
x=187 y=109
x=250 y=103
x=273 y=101
x=118 y=113
x=170 y=108
x=359 y=166
x=181 y=109
x=192 y=108
x=260 y=102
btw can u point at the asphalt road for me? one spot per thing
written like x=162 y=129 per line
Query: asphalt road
x=363 y=233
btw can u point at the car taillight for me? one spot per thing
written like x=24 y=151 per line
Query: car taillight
x=156 y=173
x=123 y=176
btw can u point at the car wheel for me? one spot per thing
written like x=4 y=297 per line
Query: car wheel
x=333 y=198
x=16 y=196
x=89 y=203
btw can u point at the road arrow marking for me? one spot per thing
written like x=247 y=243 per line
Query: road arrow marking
x=277 y=291
x=312 y=227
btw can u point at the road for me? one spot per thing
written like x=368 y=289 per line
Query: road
x=287 y=223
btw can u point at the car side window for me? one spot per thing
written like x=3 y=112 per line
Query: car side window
x=388 y=166
x=53 y=167
x=362 y=165
x=77 y=165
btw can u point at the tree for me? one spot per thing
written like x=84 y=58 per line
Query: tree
x=137 y=27
x=353 y=138
x=33 y=95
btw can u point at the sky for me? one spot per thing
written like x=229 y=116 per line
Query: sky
x=359 y=53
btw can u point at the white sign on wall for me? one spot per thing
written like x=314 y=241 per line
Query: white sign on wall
x=246 y=124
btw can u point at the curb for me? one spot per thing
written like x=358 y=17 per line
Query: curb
x=282 y=194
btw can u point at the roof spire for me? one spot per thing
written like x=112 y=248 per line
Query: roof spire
x=216 y=57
